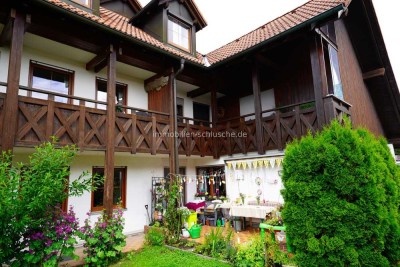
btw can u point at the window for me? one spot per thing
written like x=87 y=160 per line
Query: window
x=119 y=194
x=332 y=70
x=52 y=79
x=178 y=34
x=201 y=112
x=87 y=3
x=211 y=181
x=328 y=35
x=179 y=109
x=120 y=93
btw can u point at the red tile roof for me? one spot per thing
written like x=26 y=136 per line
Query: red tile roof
x=283 y=23
x=273 y=28
x=120 y=23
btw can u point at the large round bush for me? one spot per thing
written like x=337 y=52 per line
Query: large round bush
x=342 y=199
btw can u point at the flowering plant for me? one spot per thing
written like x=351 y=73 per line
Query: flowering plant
x=104 y=242
x=54 y=240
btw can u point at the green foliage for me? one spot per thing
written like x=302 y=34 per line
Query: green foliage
x=155 y=236
x=259 y=252
x=164 y=257
x=342 y=199
x=29 y=191
x=251 y=254
x=218 y=244
x=173 y=220
x=105 y=241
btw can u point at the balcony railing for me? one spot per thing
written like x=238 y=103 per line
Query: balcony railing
x=79 y=122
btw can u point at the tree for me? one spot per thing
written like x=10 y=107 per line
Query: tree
x=30 y=192
x=342 y=199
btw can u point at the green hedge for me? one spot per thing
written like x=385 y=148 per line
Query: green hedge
x=342 y=199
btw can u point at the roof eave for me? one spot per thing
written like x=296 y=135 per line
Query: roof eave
x=304 y=24
x=116 y=32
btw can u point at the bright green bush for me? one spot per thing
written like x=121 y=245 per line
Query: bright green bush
x=104 y=242
x=155 y=236
x=29 y=196
x=342 y=199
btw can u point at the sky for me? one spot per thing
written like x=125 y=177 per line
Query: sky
x=229 y=19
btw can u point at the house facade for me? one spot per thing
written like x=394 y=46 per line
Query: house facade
x=118 y=80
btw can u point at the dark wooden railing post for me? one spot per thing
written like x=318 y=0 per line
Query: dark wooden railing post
x=319 y=77
x=82 y=118
x=50 y=118
x=298 y=121
x=154 y=135
x=188 y=138
x=110 y=127
x=329 y=108
x=10 y=111
x=280 y=144
x=134 y=137
x=255 y=77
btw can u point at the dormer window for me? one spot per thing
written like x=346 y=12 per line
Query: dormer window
x=86 y=3
x=179 y=34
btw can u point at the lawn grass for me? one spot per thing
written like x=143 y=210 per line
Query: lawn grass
x=165 y=257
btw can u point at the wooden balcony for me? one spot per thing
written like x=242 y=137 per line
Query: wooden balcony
x=79 y=122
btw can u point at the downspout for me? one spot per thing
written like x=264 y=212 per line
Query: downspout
x=175 y=136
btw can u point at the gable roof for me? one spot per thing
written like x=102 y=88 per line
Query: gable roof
x=300 y=16
x=189 y=4
x=121 y=24
x=274 y=28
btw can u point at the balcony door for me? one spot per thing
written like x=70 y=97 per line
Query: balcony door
x=120 y=93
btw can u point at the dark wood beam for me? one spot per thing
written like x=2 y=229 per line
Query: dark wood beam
x=110 y=128
x=10 y=111
x=99 y=60
x=142 y=64
x=255 y=78
x=198 y=92
x=374 y=73
x=320 y=81
x=214 y=116
x=6 y=33
x=267 y=62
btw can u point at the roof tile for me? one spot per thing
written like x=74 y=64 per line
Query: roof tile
x=283 y=23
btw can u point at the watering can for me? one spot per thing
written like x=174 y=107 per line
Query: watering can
x=195 y=231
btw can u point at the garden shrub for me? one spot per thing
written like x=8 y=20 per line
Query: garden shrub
x=104 y=242
x=251 y=254
x=155 y=236
x=342 y=199
x=218 y=244
x=261 y=252
x=29 y=195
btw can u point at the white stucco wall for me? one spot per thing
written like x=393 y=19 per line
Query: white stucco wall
x=247 y=103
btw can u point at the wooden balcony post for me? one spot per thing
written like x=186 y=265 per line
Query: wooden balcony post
x=110 y=138
x=173 y=126
x=255 y=77
x=319 y=77
x=214 y=119
x=10 y=112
